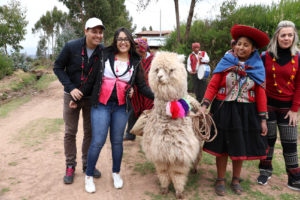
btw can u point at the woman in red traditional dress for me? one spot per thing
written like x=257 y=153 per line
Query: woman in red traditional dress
x=239 y=106
x=138 y=101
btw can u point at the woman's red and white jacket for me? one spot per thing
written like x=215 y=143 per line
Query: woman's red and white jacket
x=225 y=86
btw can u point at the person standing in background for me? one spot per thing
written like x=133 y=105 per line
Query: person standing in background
x=195 y=59
x=139 y=102
x=232 y=44
x=72 y=67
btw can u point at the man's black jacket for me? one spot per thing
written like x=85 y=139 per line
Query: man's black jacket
x=67 y=66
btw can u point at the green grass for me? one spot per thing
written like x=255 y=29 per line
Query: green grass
x=3 y=190
x=12 y=164
x=144 y=168
x=251 y=165
x=36 y=131
x=196 y=196
x=257 y=195
x=286 y=196
x=26 y=80
x=278 y=165
x=276 y=187
x=277 y=145
x=12 y=105
x=169 y=196
x=208 y=159
x=38 y=149
x=41 y=67
x=193 y=181
x=44 y=81
x=213 y=173
x=246 y=184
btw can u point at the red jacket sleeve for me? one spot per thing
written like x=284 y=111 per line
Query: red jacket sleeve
x=261 y=100
x=296 y=97
x=213 y=87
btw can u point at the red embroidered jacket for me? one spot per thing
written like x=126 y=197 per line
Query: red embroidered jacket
x=225 y=86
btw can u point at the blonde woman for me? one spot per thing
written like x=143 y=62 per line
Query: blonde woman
x=281 y=62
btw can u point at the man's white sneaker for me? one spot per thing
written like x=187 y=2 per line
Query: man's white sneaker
x=118 y=182
x=89 y=184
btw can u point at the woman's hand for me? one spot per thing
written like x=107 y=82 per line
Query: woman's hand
x=72 y=104
x=130 y=94
x=264 y=128
x=203 y=109
x=292 y=118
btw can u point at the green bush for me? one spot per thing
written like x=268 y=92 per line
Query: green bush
x=44 y=81
x=20 y=62
x=27 y=79
x=6 y=66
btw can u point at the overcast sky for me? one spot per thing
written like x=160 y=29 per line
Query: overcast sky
x=205 y=9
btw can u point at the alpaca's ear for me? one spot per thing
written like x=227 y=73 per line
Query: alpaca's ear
x=181 y=58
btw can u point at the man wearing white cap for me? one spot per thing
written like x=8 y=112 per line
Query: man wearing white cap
x=72 y=67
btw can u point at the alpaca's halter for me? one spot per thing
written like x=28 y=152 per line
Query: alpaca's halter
x=202 y=126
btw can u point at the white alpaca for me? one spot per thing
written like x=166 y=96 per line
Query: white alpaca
x=169 y=143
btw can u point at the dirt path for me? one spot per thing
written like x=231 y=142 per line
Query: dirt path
x=35 y=171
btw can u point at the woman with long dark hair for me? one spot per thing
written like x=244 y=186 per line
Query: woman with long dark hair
x=109 y=83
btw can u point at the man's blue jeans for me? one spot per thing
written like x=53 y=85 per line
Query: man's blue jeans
x=103 y=117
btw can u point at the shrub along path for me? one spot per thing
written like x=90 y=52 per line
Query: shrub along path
x=32 y=163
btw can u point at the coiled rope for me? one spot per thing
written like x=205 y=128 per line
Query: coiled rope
x=202 y=124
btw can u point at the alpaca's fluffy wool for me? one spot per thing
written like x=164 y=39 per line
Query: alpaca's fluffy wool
x=169 y=143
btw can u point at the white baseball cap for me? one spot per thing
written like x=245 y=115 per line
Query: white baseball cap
x=93 y=22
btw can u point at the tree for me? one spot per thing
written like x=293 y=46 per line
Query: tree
x=150 y=28
x=41 y=51
x=144 y=28
x=12 y=25
x=6 y=65
x=177 y=20
x=50 y=25
x=113 y=14
x=65 y=36
x=227 y=8
x=142 y=4
x=189 y=19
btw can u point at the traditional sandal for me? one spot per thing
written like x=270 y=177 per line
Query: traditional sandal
x=220 y=188
x=236 y=188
